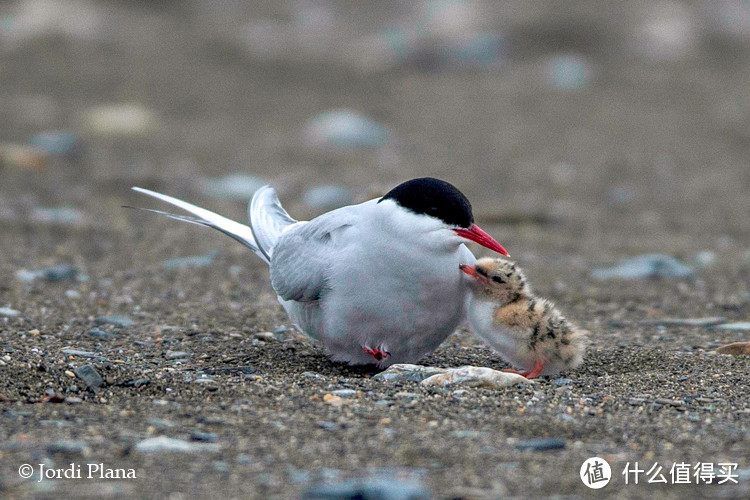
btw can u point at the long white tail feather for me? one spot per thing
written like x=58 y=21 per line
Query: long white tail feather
x=268 y=219
x=239 y=232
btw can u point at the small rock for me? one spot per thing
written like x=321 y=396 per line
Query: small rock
x=373 y=488
x=90 y=376
x=240 y=187
x=645 y=266
x=70 y=446
x=178 y=354
x=407 y=372
x=344 y=129
x=313 y=375
x=120 y=120
x=562 y=381
x=80 y=354
x=327 y=197
x=266 y=336
x=165 y=444
x=101 y=334
x=9 y=313
x=196 y=261
x=22 y=156
x=60 y=273
x=541 y=444
x=206 y=437
x=55 y=142
x=72 y=294
x=735 y=349
x=116 y=320
x=329 y=426
x=473 y=376
x=705 y=258
x=569 y=72
x=65 y=216
x=733 y=326
x=344 y=393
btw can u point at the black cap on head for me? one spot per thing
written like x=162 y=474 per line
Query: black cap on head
x=435 y=198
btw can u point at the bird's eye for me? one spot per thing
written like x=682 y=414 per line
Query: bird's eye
x=498 y=279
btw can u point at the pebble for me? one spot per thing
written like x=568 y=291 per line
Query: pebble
x=101 y=334
x=328 y=426
x=344 y=393
x=55 y=142
x=541 y=444
x=473 y=376
x=9 y=313
x=116 y=320
x=70 y=446
x=54 y=274
x=733 y=326
x=61 y=272
x=22 y=156
x=73 y=294
x=177 y=354
x=80 y=354
x=206 y=437
x=407 y=372
x=327 y=197
x=645 y=266
x=240 y=187
x=90 y=376
x=705 y=258
x=166 y=444
x=562 y=381
x=65 y=216
x=195 y=261
x=735 y=349
x=344 y=129
x=569 y=72
x=372 y=488
x=120 y=120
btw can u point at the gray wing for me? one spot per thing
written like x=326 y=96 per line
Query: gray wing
x=306 y=253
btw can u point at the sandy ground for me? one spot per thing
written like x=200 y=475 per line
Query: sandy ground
x=649 y=155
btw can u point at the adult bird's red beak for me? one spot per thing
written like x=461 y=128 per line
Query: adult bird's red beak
x=477 y=235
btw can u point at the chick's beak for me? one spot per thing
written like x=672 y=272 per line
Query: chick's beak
x=478 y=235
x=472 y=271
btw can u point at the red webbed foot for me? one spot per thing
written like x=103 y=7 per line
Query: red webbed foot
x=376 y=353
x=533 y=373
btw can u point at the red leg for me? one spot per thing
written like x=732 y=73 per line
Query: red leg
x=376 y=353
x=533 y=373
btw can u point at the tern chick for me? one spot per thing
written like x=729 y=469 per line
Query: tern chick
x=527 y=331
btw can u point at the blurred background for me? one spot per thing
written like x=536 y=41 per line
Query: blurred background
x=583 y=132
x=576 y=128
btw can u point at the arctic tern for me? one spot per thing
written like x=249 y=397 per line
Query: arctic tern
x=376 y=283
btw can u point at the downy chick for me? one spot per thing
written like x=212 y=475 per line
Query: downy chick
x=527 y=331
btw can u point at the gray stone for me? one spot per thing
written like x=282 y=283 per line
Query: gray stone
x=541 y=444
x=327 y=197
x=344 y=393
x=407 y=372
x=115 y=320
x=70 y=447
x=90 y=376
x=645 y=266
x=733 y=326
x=9 y=313
x=372 y=488
x=177 y=354
x=162 y=444
x=240 y=187
x=344 y=129
x=195 y=261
